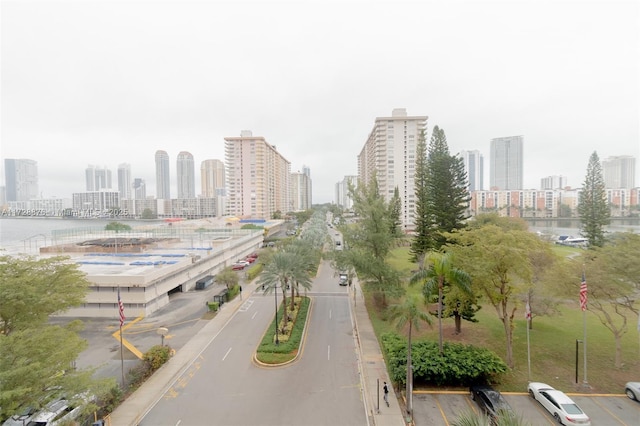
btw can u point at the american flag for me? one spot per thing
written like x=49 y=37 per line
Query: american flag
x=121 y=309
x=583 y=293
x=527 y=311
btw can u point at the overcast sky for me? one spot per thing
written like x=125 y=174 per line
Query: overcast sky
x=110 y=82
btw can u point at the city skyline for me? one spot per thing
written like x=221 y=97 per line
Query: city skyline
x=85 y=81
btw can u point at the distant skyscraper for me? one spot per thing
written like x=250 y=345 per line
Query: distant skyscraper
x=300 y=191
x=124 y=181
x=258 y=177
x=553 y=182
x=474 y=166
x=163 y=182
x=390 y=154
x=506 y=163
x=97 y=178
x=619 y=172
x=212 y=178
x=342 y=192
x=139 y=189
x=186 y=175
x=21 y=179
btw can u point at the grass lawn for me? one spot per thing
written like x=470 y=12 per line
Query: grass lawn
x=552 y=345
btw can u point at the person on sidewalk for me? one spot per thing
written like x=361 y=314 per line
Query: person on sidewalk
x=385 y=389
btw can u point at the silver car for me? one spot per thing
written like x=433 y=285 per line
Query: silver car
x=632 y=389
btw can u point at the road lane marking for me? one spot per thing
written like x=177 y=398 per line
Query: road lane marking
x=225 y=355
x=254 y=315
x=444 y=417
x=329 y=313
x=329 y=353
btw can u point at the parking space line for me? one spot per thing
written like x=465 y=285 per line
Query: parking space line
x=595 y=401
x=444 y=417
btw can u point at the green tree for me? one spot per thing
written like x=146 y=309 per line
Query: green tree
x=592 y=205
x=421 y=242
x=281 y=271
x=305 y=265
x=148 y=214
x=395 y=210
x=446 y=195
x=370 y=241
x=117 y=226
x=460 y=305
x=32 y=289
x=408 y=313
x=499 y=260
x=228 y=277
x=613 y=278
x=440 y=272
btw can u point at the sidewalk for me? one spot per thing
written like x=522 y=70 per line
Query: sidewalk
x=372 y=366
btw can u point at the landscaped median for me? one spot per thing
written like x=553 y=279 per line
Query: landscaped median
x=290 y=335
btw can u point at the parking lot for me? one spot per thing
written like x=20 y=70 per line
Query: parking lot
x=442 y=408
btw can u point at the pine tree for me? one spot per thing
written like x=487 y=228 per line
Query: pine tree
x=592 y=207
x=420 y=243
x=445 y=197
x=395 y=210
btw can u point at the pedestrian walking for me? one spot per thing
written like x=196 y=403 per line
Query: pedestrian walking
x=385 y=389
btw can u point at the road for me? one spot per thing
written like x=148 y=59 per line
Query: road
x=224 y=386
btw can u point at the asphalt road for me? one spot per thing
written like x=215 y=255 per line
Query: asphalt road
x=224 y=385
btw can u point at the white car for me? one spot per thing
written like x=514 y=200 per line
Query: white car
x=561 y=407
x=632 y=389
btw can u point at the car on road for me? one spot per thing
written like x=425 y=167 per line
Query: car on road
x=632 y=389
x=343 y=279
x=490 y=401
x=238 y=266
x=556 y=402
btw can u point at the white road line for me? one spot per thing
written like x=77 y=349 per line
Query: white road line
x=254 y=315
x=329 y=353
x=329 y=313
x=179 y=421
x=225 y=355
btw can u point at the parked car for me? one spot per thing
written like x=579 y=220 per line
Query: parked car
x=556 y=402
x=490 y=401
x=632 y=389
x=244 y=262
x=250 y=259
x=238 y=266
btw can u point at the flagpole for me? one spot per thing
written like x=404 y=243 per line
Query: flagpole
x=121 y=358
x=528 y=316
x=584 y=326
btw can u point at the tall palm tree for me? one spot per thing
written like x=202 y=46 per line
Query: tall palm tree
x=404 y=313
x=440 y=272
x=279 y=272
x=301 y=273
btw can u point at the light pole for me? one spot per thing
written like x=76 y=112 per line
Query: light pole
x=275 y=293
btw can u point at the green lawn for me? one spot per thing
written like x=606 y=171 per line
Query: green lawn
x=552 y=344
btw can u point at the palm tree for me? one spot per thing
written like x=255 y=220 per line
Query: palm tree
x=279 y=272
x=408 y=313
x=441 y=272
x=301 y=273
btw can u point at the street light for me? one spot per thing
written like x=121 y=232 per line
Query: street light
x=162 y=331
x=275 y=293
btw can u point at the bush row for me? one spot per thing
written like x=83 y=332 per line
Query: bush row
x=268 y=346
x=459 y=365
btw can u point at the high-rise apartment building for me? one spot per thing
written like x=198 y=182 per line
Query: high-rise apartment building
x=619 y=172
x=139 y=189
x=474 y=166
x=21 y=179
x=343 y=199
x=124 y=181
x=163 y=182
x=390 y=154
x=258 y=177
x=186 y=175
x=97 y=178
x=212 y=178
x=300 y=191
x=553 y=182
x=506 y=163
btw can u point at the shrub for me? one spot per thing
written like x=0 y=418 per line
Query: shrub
x=288 y=344
x=157 y=356
x=254 y=271
x=214 y=306
x=460 y=365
